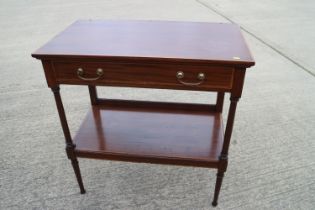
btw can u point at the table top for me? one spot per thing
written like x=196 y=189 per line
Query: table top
x=154 y=40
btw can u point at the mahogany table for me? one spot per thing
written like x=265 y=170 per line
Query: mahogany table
x=150 y=54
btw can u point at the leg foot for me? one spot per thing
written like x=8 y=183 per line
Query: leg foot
x=218 y=184
x=75 y=165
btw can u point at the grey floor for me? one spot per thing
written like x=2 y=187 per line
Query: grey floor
x=273 y=148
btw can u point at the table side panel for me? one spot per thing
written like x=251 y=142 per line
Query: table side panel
x=49 y=73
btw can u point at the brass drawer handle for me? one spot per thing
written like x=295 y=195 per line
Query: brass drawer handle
x=180 y=75
x=99 y=73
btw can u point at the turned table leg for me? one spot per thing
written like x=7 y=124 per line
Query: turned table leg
x=76 y=168
x=218 y=184
x=223 y=159
x=69 y=144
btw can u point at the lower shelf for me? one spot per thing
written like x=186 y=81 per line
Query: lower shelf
x=151 y=132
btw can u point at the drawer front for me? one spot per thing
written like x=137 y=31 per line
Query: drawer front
x=145 y=75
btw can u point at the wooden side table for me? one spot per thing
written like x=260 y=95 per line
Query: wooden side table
x=150 y=54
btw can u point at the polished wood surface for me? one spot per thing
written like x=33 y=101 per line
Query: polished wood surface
x=133 y=131
x=150 y=54
x=150 y=40
x=69 y=143
x=145 y=75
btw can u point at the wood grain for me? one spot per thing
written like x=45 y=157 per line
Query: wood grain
x=130 y=131
x=149 y=54
x=150 y=40
x=145 y=75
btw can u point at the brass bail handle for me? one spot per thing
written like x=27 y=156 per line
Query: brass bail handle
x=180 y=75
x=99 y=73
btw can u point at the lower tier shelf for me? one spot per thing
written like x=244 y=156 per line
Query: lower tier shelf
x=151 y=132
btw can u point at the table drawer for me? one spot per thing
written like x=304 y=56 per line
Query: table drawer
x=145 y=75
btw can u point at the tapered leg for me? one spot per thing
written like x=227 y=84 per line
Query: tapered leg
x=69 y=144
x=75 y=165
x=218 y=184
x=223 y=159
x=76 y=168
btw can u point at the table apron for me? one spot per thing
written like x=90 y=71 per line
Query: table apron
x=186 y=77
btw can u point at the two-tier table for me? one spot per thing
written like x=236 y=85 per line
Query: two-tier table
x=150 y=54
